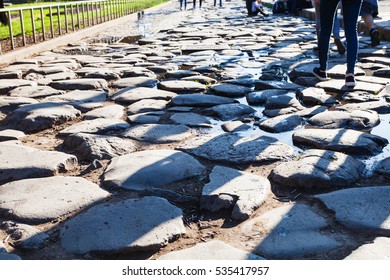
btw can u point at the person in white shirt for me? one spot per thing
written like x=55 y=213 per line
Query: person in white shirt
x=257 y=8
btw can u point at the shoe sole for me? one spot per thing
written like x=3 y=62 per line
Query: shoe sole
x=319 y=77
x=340 y=47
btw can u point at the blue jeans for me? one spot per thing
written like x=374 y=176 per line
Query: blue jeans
x=220 y=3
x=185 y=4
x=351 y=9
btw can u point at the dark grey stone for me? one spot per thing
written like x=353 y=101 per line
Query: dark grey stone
x=318 y=169
x=230 y=111
x=96 y=126
x=158 y=133
x=190 y=119
x=134 y=82
x=152 y=224
x=232 y=148
x=230 y=90
x=79 y=84
x=383 y=167
x=262 y=85
x=341 y=140
x=181 y=86
x=147 y=170
x=201 y=100
x=261 y=97
x=282 y=123
x=131 y=95
x=314 y=96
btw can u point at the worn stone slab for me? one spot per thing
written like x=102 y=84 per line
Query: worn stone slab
x=351 y=211
x=96 y=126
x=131 y=95
x=374 y=80
x=146 y=105
x=76 y=97
x=41 y=116
x=235 y=126
x=60 y=76
x=201 y=100
x=360 y=96
x=211 y=250
x=80 y=84
x=312 y=111
x=135 y=82
x=231 y=188
x=158 y=133
x=283 y=101
x=34 y=92
x=383 y=167
x=230 y=111
x=201 y=79
x=179 y=74
x=137 y=72
x=45 y=199
x=233 y=148
x=291 y=232
x=315 y=96
x=109 y=112
x=190 y=119
x=342 y=140
x=263 y=85
x=381 y=107
x=339 y=86
x=384 y=73
x=146 y=118
x=24 y=236
x=379 y=249
x=261 y=97
x=181 y=86
x=359 y=120
x=282 y=123
x=150 y=169
x=6 y=85
x=90 y=146
x=106 y=74
x=16 y=74
x=11 y=134
x=230 y=90
x=152 y=224
x=318 y=169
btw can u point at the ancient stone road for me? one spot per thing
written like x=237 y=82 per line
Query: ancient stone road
x=207 y=139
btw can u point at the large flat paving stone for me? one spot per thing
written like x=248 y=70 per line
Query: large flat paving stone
x=230 y=111
x=211 y=250
x=383 y=167
x=19 y=162
x=231 y=188
x=92 y=146
x=148 y=223
x=341 y=140
x=290 y=232
x=80 y=84
x=80 y=96
x=96 y=126
x=315 y=96
x=34 y=92
x=6 y=85
x=44 y=199
x=158 y=133
x=230 y=90
x=131 y=95
x=339 y=86
x=232 y=148
x=201 y=100
x=318 y=169
x=146 y=105
x=181 y=86
x=381 y=107
x=379 y=249
x=114 y=111
x=151 y=169
x=41 y=116
x=134 y=82
x=364 y=208
x=10 y=103
x=11 y=134
x=190 y=119
x=282 y=123
x=24 y=236
x=358 y=120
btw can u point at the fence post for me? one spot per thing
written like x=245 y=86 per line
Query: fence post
x=51 y=22
x=78 y=16
x=33 y=25
x=66 y=18
x=11 y=34
x=59 y=20
x=43 y=25
x=22 y=27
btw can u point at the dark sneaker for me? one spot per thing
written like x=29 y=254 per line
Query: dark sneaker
x=320 y=74
x=350 y=80
x=339 y=45
x=374 y=37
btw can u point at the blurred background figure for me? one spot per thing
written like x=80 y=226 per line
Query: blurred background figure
x=368 y=12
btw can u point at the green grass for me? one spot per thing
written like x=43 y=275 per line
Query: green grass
x=135 y=5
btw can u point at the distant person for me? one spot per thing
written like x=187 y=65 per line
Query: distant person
x=351 y=10
x=368 y=12
x=200 y=4
x=257 y=7
x=336 y=27
x=220 y=3
x=279 y=7
x=181 y=5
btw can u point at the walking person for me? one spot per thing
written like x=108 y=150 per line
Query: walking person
x=336 y=27
x=181 y=5
x=368 y=12
x=220 y=3
x=200 y=4
x=351 y=10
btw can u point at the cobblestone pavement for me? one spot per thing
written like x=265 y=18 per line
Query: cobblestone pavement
x=200 y=134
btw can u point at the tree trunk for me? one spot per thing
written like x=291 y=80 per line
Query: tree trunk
x=3 y=16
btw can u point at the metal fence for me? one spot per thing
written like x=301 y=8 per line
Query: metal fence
x=32 y=24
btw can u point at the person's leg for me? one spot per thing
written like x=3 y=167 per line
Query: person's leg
x=351 y=9
x=248 y=4
x=336 y=34
x=318 y=22
x=368 y=12
x=327 y=11
x=220 y=3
